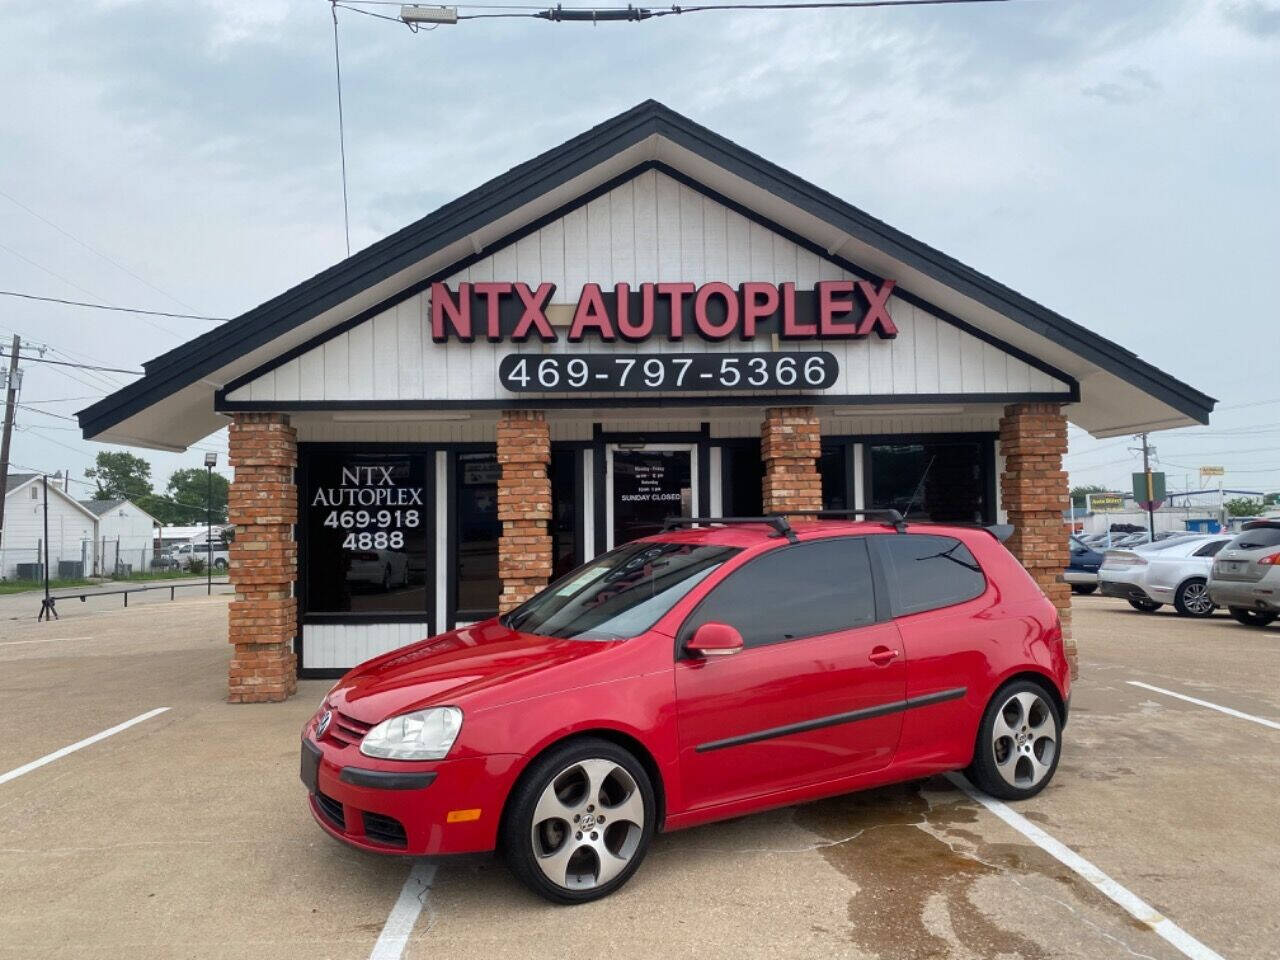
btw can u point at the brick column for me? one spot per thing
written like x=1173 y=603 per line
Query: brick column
x=1033 y=488
x=524 y=506
x=263 y=506
x=790 y=443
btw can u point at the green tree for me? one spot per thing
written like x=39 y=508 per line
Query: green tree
x=1078 y=494
x=120 y=475
x=1243 y=507
x=190 y=489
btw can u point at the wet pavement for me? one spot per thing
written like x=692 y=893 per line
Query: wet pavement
x=186 y=835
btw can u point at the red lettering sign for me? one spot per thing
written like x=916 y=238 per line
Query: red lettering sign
x=591 y=313
x=535 y=314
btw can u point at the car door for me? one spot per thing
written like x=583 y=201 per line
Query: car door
x=804 y=701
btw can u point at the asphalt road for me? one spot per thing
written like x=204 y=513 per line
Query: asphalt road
x=187 y=835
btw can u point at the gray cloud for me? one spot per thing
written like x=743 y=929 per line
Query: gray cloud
x=1254 y=17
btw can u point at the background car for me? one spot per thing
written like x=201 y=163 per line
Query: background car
x=1082 y=567
x=1174 y=571
x=1246 y=574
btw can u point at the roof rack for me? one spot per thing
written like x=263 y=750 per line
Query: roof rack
x=778 y=523
x=892 y=517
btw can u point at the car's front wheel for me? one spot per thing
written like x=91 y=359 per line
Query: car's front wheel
x=1145 y=606
x=1019 y=743
x=1251 y=618
x=1192 y=599
x=580 y=821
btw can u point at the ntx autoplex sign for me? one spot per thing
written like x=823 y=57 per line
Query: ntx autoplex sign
x=835 y=309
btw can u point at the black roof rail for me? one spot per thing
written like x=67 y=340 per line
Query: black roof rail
x=778 y=523
x=892 y=517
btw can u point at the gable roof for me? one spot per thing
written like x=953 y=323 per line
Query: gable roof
x=16 y=481
x=647 y=132
x=100 y=507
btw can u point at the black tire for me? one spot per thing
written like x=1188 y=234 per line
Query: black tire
x=1084 y=589
x=1192 y=599
x=1251 y=618
x=219 y=564
x=517 y=837
x=988 y=759
x=1145 y=606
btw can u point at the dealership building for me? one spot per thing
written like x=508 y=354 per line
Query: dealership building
x=646 y=320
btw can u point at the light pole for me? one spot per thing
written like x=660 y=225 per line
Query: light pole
x=210 y=461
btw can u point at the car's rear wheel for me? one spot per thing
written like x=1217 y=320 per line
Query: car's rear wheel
x=1145 y=606
x=1192 y=599
x=1251 y=618
x=1019 y=743
x=580 y=821
x=1083 y=588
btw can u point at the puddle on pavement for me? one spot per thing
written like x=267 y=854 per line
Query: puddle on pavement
x=903 y=873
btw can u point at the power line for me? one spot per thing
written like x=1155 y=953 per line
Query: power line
x=94 y=250
x=45 y=413
x=105 y=306
x=342 y=133
x=81 y=366
x=96 y=396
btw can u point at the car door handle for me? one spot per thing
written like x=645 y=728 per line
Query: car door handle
x=882 y=655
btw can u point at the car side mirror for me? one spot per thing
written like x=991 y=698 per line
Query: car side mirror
x=714 y=640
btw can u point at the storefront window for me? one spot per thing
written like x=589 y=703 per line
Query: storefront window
x=833 y=467
x=943 y=481
x=477 y=587
x=742 y=480
x=564 y=500
x=366 y=533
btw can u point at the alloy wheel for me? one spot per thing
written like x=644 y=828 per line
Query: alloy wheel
x=587 y=824
x=1024 y=740
x=1195 y=597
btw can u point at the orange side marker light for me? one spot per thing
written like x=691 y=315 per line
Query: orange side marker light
x=462 y=816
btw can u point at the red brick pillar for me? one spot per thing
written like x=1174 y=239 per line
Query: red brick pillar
x=790 y=443
x=524 y=506
x=263 y=506
x=1033 y=488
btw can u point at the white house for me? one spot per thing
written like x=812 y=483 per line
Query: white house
x=24 y=545
x=126 y=535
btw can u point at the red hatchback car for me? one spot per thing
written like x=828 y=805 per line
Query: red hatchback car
x=699 y=674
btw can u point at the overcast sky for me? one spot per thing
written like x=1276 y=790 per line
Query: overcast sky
x=1116 y=161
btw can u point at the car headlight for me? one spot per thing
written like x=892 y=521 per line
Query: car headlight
x=421 y=735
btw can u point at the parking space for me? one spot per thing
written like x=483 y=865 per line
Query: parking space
x=187 y=835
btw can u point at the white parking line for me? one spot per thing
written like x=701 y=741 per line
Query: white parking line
x=399 y=925
x=14 y=643
x=1205 y=703
x=79 y=745
x=1135 y=906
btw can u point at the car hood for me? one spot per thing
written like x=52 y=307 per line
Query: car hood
x=477 y=666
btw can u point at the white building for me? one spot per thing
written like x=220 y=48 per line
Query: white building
x=126 y=535
x=72 y=530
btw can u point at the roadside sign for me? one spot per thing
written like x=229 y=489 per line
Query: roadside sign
x=1106 y=502
x=1148 y=500
x=1212 y=471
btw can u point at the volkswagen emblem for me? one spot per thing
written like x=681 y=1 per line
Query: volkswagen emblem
x=323 y=724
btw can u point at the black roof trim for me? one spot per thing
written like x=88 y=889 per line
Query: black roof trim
x=187 y=363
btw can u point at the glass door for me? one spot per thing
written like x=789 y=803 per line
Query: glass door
x=645 y=484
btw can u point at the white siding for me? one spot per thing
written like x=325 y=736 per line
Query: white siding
x=343 y=645
x=71 y=531
x=125 y=535
x=647 y=229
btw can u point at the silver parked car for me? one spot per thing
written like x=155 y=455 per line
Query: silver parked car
x=1246 y=574
x=1174 y=571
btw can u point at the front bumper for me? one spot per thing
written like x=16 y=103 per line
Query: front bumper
x=419 y=809
x=1251 y=595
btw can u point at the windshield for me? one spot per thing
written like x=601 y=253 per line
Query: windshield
x=620 y=594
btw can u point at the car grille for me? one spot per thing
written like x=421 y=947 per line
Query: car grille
x=385 y=830
x=347 y=730
x=332 y=810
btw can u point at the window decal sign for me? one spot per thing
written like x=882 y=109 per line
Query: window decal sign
x=500 y=311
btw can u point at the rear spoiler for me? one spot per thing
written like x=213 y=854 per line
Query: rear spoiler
x=1001 y=531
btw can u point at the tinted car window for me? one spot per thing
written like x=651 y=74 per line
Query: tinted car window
x=792 y=592
x=1254 y=539
x=620 y=594
x=1211 y=549
x=926 y=572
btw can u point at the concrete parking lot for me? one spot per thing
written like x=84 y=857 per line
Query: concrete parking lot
x=186 y=834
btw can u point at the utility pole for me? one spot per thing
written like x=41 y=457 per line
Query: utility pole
x=1151 y=493
x=10 y=407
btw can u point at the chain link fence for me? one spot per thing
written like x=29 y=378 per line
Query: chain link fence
x=107 y=560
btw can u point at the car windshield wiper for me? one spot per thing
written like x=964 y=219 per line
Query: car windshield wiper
x=946 y=555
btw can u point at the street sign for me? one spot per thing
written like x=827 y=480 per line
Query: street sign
x=1148 y=500
x=1212 y=471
